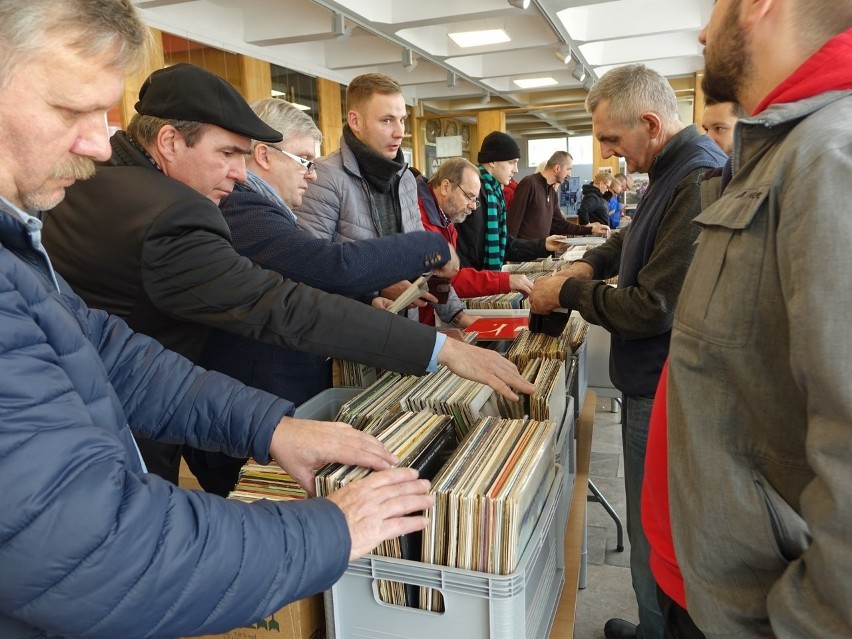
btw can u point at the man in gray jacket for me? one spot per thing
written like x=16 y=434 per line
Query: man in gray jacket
x=364 y=189
x=759 y=395
x=635 y=116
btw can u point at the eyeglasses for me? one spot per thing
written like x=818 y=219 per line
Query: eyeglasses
x=306 y=164
x=471 y=197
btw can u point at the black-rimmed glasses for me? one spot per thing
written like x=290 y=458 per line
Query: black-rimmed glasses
x=471 y=197
x=306 y=164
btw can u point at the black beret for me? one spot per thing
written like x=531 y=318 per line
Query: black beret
x=187 y=92
x=498 y=146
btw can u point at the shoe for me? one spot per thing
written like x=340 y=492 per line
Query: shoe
x=619 y=629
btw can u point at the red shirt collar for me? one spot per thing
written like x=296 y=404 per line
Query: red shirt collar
x=829 y=69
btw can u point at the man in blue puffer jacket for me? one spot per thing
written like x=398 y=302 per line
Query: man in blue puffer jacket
x=90 y=544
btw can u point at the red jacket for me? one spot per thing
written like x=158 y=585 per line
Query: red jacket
x=468 y=282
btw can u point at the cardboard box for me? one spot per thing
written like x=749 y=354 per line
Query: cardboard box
x=303 y=619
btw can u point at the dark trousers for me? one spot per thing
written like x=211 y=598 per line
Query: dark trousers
x=678 y=623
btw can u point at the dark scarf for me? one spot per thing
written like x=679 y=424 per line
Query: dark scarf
x=375 y=168
x=495 y=222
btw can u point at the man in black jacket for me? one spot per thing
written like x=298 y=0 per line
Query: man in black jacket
x=163 y=259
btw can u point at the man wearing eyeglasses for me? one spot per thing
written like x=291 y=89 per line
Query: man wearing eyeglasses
x=259 y=213
x=446 y=200
x=364 y=189
x=145 y=240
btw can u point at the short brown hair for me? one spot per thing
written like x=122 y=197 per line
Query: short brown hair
x=364 y=86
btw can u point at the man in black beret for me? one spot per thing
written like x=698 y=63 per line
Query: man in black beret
x=145 y=240
x=484 y=242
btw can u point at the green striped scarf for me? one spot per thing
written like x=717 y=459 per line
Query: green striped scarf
x=495 y=222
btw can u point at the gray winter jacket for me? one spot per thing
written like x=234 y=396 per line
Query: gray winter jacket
x=339 y=206
x=759 y=393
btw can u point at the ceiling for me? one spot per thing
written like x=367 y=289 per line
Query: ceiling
x=408 y=40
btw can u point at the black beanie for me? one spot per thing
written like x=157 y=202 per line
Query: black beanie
x=498 y=146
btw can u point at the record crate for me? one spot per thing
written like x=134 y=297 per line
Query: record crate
x=580 y=383
x=477 y=605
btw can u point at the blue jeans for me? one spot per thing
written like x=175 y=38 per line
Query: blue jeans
x=634 y=437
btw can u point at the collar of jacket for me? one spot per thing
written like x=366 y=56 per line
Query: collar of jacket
x=125 y=153
x=430 y=204
x=665 y=158
x=378 y=170
x=765 y=125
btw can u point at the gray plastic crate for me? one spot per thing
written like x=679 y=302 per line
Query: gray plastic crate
x=566 y=457
x=581 y=379
x=477 y=605
x=324 y=406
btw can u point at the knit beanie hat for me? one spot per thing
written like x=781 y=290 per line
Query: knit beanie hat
x=498 y=146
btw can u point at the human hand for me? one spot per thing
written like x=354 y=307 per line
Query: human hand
x=555 y=243
x=377 y=507
x=450 y=268
x=381 y=303
x=545 y=294
x=600 y=230
x=395 y=290
x=580 y=270
x=520 y=282
x=485 y=366
x=300 y=446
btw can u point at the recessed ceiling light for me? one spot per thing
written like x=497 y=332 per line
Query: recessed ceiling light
x=534 y=83
x=467 y=39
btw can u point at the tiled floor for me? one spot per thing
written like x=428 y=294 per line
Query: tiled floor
x=608 y=592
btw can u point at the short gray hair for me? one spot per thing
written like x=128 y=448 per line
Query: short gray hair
x=108 y=29
x=285 y=118
x=453 y=170
x=631 y=91
x=558 y=157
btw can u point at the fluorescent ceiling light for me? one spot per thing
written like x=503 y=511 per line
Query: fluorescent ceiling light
x=280 y=94
x=534 y=83
x=520 y=4
x=467 y=39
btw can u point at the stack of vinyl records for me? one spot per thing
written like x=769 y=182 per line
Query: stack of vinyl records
x=502 y=301
x=382 y=396
x=265 y=482
x=528 y=346
x=577 y=329
x=488 y=498
x=346 y=373
x=421 y=440
x=548 y=399
x=545 y=264
x=441 y=392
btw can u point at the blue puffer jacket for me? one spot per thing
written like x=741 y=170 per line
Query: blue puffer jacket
x=90 y=545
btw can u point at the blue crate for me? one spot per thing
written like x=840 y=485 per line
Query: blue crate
x=477 y=605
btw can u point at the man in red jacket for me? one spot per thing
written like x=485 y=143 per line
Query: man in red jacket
x=447 y=199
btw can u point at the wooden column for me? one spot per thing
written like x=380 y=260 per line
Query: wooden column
x=418 y=159
x=598 y=161
x=255 y=78
x=698 y=102
x=330 y=114
x=486 y=122
x=133 y=82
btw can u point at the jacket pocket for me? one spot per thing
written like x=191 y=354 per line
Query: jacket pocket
x=717 y=303
x=789 y=530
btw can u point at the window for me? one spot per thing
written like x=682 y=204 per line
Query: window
x=540 y=150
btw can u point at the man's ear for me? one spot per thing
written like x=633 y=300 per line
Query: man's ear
x=753 y=11
x=260 y=155
x=651 y=121
x=353 y=119
x=167 y=141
